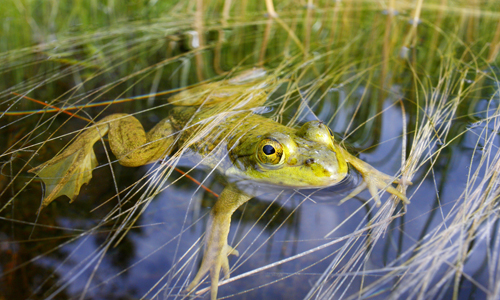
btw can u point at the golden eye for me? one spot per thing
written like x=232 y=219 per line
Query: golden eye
x=270 y=151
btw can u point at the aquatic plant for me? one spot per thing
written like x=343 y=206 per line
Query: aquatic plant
x=411 y=86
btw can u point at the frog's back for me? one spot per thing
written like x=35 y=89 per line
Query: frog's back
x=207 y=115
x=212 y=135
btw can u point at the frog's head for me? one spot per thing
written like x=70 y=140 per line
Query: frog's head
x=303 y=158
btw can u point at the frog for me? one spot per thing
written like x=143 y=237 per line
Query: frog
x=221 y=124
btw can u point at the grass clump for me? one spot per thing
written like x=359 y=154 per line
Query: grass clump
x=410 y=85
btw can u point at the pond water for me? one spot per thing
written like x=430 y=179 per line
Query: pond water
x=429 y=114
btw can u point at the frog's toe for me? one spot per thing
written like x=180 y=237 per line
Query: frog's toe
x=225 y=261
x=66 y=173
x=398 y=194
x=225 y=268
x=376 y=182
x=231 y=251
x=389 y=179
x=213 y=264
x=356 y=191
x=402 y=181
x=373 y=189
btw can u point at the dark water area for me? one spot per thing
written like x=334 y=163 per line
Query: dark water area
x=105 y=245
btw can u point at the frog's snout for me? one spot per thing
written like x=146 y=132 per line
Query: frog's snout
x=323 y=167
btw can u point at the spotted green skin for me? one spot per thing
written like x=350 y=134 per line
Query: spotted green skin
x=232 y=147
x=219 y=124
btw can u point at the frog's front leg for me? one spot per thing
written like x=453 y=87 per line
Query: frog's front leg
x=216 y=247
x=69 y=170
x=373 y=180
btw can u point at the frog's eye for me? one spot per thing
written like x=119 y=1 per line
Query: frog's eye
x=270 y=151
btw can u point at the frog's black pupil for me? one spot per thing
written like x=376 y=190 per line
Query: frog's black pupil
x=268 y=149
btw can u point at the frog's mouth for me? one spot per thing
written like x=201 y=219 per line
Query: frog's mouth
x=259 y=187
x=290 y=182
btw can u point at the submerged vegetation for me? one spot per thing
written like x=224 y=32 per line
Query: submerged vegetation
x=409 y=85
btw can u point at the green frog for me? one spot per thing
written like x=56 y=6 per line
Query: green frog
x=219 y=124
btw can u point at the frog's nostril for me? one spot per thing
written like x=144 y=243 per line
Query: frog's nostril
x=310 y=161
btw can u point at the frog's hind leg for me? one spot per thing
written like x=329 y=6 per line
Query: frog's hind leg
x=134 y=147
x=69 y=170
x=246 y=90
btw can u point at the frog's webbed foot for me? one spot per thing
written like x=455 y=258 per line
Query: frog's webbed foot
x=67 y=172
x=374 y=181
x=215 y=258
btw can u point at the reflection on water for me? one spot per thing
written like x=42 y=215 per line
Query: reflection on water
x=351 y=79
x=281 y=231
